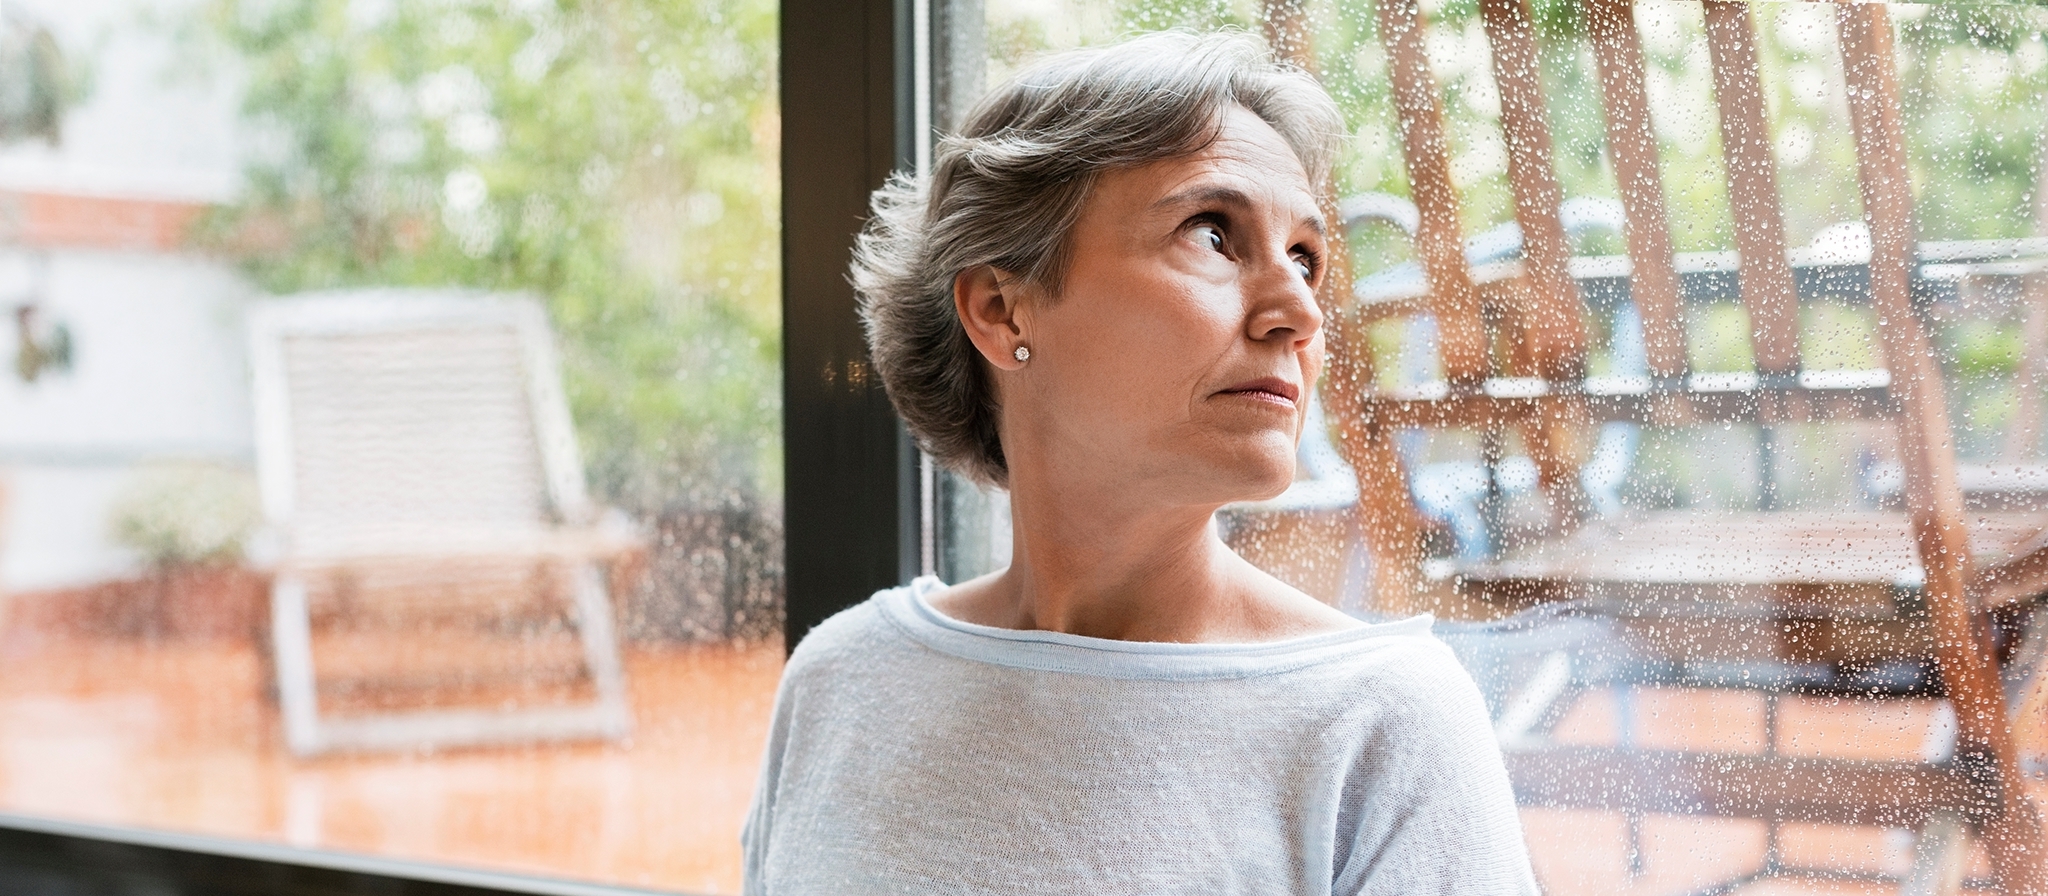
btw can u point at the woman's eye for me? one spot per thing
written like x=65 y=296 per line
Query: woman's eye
x=1305 y=266
x=1209 y=235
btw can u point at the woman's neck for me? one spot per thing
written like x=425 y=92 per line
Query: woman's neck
x=1089 y=562
x=1128 y=576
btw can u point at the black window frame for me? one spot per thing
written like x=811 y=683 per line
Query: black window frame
x=853 y=510
x=853 y=502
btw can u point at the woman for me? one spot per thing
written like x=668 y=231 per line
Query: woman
x=1104 y=301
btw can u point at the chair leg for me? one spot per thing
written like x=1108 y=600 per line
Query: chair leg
x=307 y=735
x=291 y=640
x=601 y=647
x=1940 y=857
x=1527 y=710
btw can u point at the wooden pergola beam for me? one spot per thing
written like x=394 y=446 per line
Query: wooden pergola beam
x=1553 y=319
x=1767 y=288
x=1440 y=239
x=1632 y=148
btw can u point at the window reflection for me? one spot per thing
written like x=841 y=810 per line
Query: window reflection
x=1648 y=299
x=389 y=448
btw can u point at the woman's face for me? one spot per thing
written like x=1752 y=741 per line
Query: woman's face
x=1184 y=345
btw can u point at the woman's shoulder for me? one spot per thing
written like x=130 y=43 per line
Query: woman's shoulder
x=853 y=631
x=1405 y=660
x=870 y=638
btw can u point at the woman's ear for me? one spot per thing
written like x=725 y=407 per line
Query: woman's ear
x=987 y=300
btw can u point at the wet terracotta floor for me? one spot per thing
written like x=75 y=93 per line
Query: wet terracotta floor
x=180 y=736
x=1588 y=852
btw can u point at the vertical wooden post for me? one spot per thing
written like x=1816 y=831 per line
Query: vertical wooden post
x=1632 y=147
x=1555 y=316
x=1963 y=651
x=1387 y=517
x=1440 y=240
x=1767 y=287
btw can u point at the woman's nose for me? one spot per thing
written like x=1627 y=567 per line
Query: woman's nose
x=1284 y=304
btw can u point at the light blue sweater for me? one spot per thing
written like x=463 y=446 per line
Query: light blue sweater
x=913 y=753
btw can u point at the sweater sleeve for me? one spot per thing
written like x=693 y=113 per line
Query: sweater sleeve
x=1433 y=808
x=754 y=833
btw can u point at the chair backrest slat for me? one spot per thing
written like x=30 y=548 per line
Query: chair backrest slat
x=1632 y=147
x=411 y=421
x=1767 y=287
x=1439 y=238
x=421 y=429
x=1552 y=314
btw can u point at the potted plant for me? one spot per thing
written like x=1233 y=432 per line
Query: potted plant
x=188 y=521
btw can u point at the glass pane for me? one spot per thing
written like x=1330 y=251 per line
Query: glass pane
x=1696 y=535
x=390 y=444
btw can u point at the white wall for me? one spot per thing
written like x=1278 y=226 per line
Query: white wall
x=146 y=129
x=159 y=371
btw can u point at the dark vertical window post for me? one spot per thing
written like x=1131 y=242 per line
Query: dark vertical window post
x=851 y=481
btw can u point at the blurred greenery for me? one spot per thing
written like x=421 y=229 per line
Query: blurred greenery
x=615 y=157
x=1984 y=348
x=186 y=513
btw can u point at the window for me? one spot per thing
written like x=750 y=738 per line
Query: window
x=1640 y=449
x=390 y=445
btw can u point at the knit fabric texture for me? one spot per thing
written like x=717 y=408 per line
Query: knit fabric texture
x=913 y=753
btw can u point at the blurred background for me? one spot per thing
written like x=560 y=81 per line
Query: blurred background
x=166 y=168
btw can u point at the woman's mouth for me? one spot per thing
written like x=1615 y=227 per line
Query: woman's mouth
x=1269 y=389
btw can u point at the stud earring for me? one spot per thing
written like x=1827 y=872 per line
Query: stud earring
x=1022 y=353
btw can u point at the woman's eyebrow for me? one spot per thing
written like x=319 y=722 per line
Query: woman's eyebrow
x=1207 y=194
x=1218 y=194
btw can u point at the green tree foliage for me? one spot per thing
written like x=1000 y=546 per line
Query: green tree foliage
x=615 y=157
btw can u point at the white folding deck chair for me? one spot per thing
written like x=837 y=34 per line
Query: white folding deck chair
x=408 y=436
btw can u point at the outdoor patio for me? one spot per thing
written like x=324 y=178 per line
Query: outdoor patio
x=180 y=734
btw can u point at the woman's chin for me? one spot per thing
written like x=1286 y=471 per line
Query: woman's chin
x=1270 y=487
x=1256 y=478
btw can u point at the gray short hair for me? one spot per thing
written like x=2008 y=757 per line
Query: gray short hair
x=1009 y=186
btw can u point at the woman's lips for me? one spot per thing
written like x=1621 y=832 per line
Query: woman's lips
x=1270 y=389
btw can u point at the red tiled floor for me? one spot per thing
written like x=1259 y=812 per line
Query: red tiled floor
x=1852 y=728
x=179 y=736
x=1808 y=887
x=1676 y=719
x=1860 y=850
x=1668 y=719
x=1577 y=852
